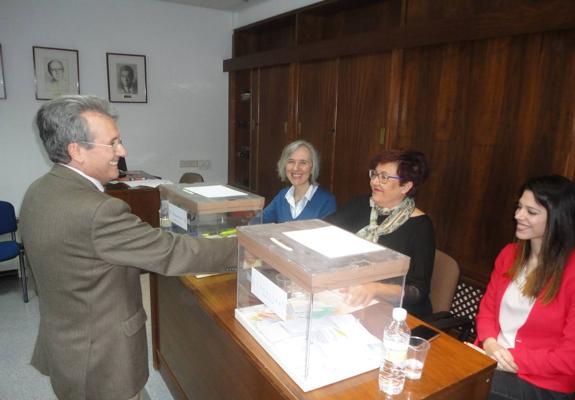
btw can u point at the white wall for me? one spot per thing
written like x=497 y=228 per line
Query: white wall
x=186 y=114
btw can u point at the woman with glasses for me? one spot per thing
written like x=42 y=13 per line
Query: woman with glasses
x=304 y=199
x=388 y=216
x=526 y=319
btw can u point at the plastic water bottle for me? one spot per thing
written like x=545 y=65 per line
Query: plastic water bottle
x=395 y=343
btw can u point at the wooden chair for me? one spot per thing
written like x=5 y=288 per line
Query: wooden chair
x=443 y=282
x=191 y=177
x=455 y=300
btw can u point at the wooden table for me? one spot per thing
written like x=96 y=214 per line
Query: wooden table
x=204 y=353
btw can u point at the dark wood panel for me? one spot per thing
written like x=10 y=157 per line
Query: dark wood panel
x=317 y=86
x=143 y=201
x=488 y=114
x=363 y=99
x=347 y=17
x=273 y=121
x=528 y=17
x=240 y=127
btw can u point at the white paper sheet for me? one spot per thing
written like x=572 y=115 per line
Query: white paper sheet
x=332 y=241
x=214 y=191
x=147 y=182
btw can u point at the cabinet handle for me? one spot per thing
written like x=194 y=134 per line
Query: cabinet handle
x=285 y=127
x=382 y=135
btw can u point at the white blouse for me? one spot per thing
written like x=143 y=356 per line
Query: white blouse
x=297 y=208
x=513 y=312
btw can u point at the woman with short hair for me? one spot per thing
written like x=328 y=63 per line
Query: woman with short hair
x=388 y=216
x=304 y=199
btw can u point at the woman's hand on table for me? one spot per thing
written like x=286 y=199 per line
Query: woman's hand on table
x=361 y=295
x=500 y=354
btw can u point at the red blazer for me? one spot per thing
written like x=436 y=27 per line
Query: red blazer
x=545 y=345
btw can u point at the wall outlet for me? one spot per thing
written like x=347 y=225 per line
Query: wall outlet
x=189 y=163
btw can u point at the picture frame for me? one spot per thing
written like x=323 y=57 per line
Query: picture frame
x=56 y=72
x=127 y=78
x=2 y=83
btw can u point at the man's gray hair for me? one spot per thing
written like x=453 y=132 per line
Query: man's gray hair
x=60 y=122
x=286 y=154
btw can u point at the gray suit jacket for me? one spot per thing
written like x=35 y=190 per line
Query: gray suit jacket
x=86 y=251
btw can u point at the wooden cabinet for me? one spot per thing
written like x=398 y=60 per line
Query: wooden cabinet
x=316 y=108
x=362 y=123
x=273 y=120
x=240 y=144
x=486 y=89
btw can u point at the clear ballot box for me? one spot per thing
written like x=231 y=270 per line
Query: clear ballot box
x=208 y=210
x=295 y=282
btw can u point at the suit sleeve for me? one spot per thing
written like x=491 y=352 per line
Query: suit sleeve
x=121 y=238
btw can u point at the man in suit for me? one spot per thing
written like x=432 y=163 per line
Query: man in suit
x=86 y=250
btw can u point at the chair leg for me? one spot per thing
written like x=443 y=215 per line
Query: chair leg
x=23 y=277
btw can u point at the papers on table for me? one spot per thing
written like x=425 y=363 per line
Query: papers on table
x=147 y=182
x=339 y=345
x=332 y=241
x=214 y=191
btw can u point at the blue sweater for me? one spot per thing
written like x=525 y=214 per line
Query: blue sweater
x=320 y=206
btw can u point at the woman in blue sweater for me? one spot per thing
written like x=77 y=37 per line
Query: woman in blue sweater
x=304 y=199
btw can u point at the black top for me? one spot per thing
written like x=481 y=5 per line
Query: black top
x=415 y=238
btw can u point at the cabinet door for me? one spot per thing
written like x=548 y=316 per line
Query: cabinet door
x=363 y=98
x=488 y=114
x=316 y=111
x=272 y=126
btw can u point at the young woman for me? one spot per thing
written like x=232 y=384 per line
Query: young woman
x=526 y=320
x=304 y=199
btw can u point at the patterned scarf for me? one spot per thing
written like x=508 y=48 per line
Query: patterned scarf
x=396 y=217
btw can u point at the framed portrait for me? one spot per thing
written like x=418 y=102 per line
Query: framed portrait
x=127 y=78
x=56 y=72
x=2 y=84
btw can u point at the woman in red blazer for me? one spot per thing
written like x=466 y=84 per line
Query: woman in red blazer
x=526 y=320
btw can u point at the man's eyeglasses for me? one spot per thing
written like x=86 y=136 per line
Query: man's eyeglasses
x=382 y=176
x=113 y=146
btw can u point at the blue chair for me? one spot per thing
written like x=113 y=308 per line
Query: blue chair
x=10 y=249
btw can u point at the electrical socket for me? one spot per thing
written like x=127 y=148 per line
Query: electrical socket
x=189 y=163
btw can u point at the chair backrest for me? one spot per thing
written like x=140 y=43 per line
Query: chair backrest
x=191 y=177
x=443 y=282
x=466 y=302
x=7 y=218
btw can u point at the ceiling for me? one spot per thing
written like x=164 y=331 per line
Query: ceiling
x=227 y=5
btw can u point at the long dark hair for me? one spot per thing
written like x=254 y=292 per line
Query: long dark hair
x=557 y=195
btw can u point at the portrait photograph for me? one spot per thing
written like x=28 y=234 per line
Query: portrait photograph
x=127 y=78
x=56 y=72
x=2 y=84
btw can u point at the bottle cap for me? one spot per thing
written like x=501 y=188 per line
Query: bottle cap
x=399 y=314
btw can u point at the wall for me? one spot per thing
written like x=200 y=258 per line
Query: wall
x=186 y=114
